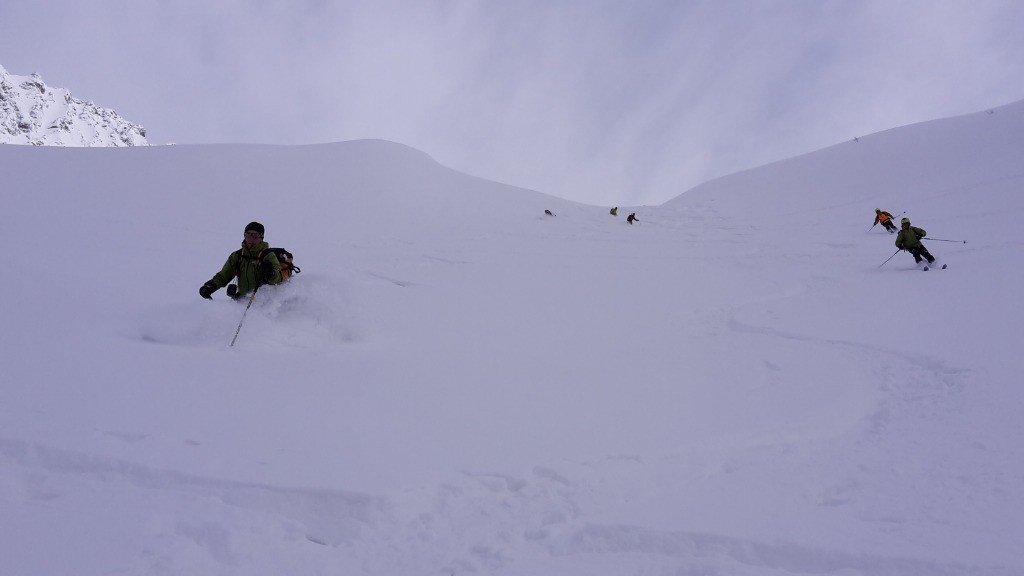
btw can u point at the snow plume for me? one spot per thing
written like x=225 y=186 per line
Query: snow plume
x=459 y=383
x=33 y=113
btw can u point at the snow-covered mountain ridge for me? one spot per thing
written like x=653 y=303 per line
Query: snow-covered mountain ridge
x=33 y=113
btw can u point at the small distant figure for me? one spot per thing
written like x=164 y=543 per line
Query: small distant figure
x=614 y=211
x=909 y=239
x=548 y=212
x=885 y=219
x=632 y=218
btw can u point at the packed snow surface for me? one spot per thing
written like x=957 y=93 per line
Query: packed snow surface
x=458 y=383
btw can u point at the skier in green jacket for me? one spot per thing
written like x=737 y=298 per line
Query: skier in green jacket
x=909 y=239
x=253 y=265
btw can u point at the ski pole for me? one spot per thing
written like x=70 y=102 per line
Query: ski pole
x=239 y=329
x=890 y=257
x=941 y=240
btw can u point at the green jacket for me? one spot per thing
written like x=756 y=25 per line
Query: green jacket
x=245 y=264
x=909 y=237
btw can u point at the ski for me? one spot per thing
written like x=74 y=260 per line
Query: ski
x=926 y=268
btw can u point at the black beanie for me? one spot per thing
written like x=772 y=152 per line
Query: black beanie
x=255 y=227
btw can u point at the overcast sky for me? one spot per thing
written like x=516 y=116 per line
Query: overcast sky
x=605 y=102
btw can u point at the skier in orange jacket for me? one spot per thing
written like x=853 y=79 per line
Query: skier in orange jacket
x=885 y=219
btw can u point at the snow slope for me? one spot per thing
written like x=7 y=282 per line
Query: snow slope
x=460 y=384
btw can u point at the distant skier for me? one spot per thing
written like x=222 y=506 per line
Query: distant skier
x=632 y=218
x=909 y=239
x=254 y=265
x=614 y=211
x=885 y=219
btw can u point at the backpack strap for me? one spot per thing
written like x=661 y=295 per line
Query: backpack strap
x=284 y=263
x=240 y=252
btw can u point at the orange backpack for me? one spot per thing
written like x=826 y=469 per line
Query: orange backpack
x=286 y=260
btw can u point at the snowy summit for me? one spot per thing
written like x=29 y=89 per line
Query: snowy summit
x=33 y=113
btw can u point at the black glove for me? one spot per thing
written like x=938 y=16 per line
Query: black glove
x=207 y=290
x=266 y=272
x=233 y=291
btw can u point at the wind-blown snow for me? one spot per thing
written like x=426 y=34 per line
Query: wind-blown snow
x=460 y=384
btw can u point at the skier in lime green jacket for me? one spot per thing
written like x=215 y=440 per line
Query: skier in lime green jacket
x=253 y=265
x=909 y=239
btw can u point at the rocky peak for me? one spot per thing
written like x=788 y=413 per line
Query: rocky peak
x=33 y=113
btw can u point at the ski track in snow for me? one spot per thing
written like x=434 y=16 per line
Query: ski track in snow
x=477 y=523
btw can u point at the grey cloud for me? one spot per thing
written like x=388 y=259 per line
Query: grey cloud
x=598 y=101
